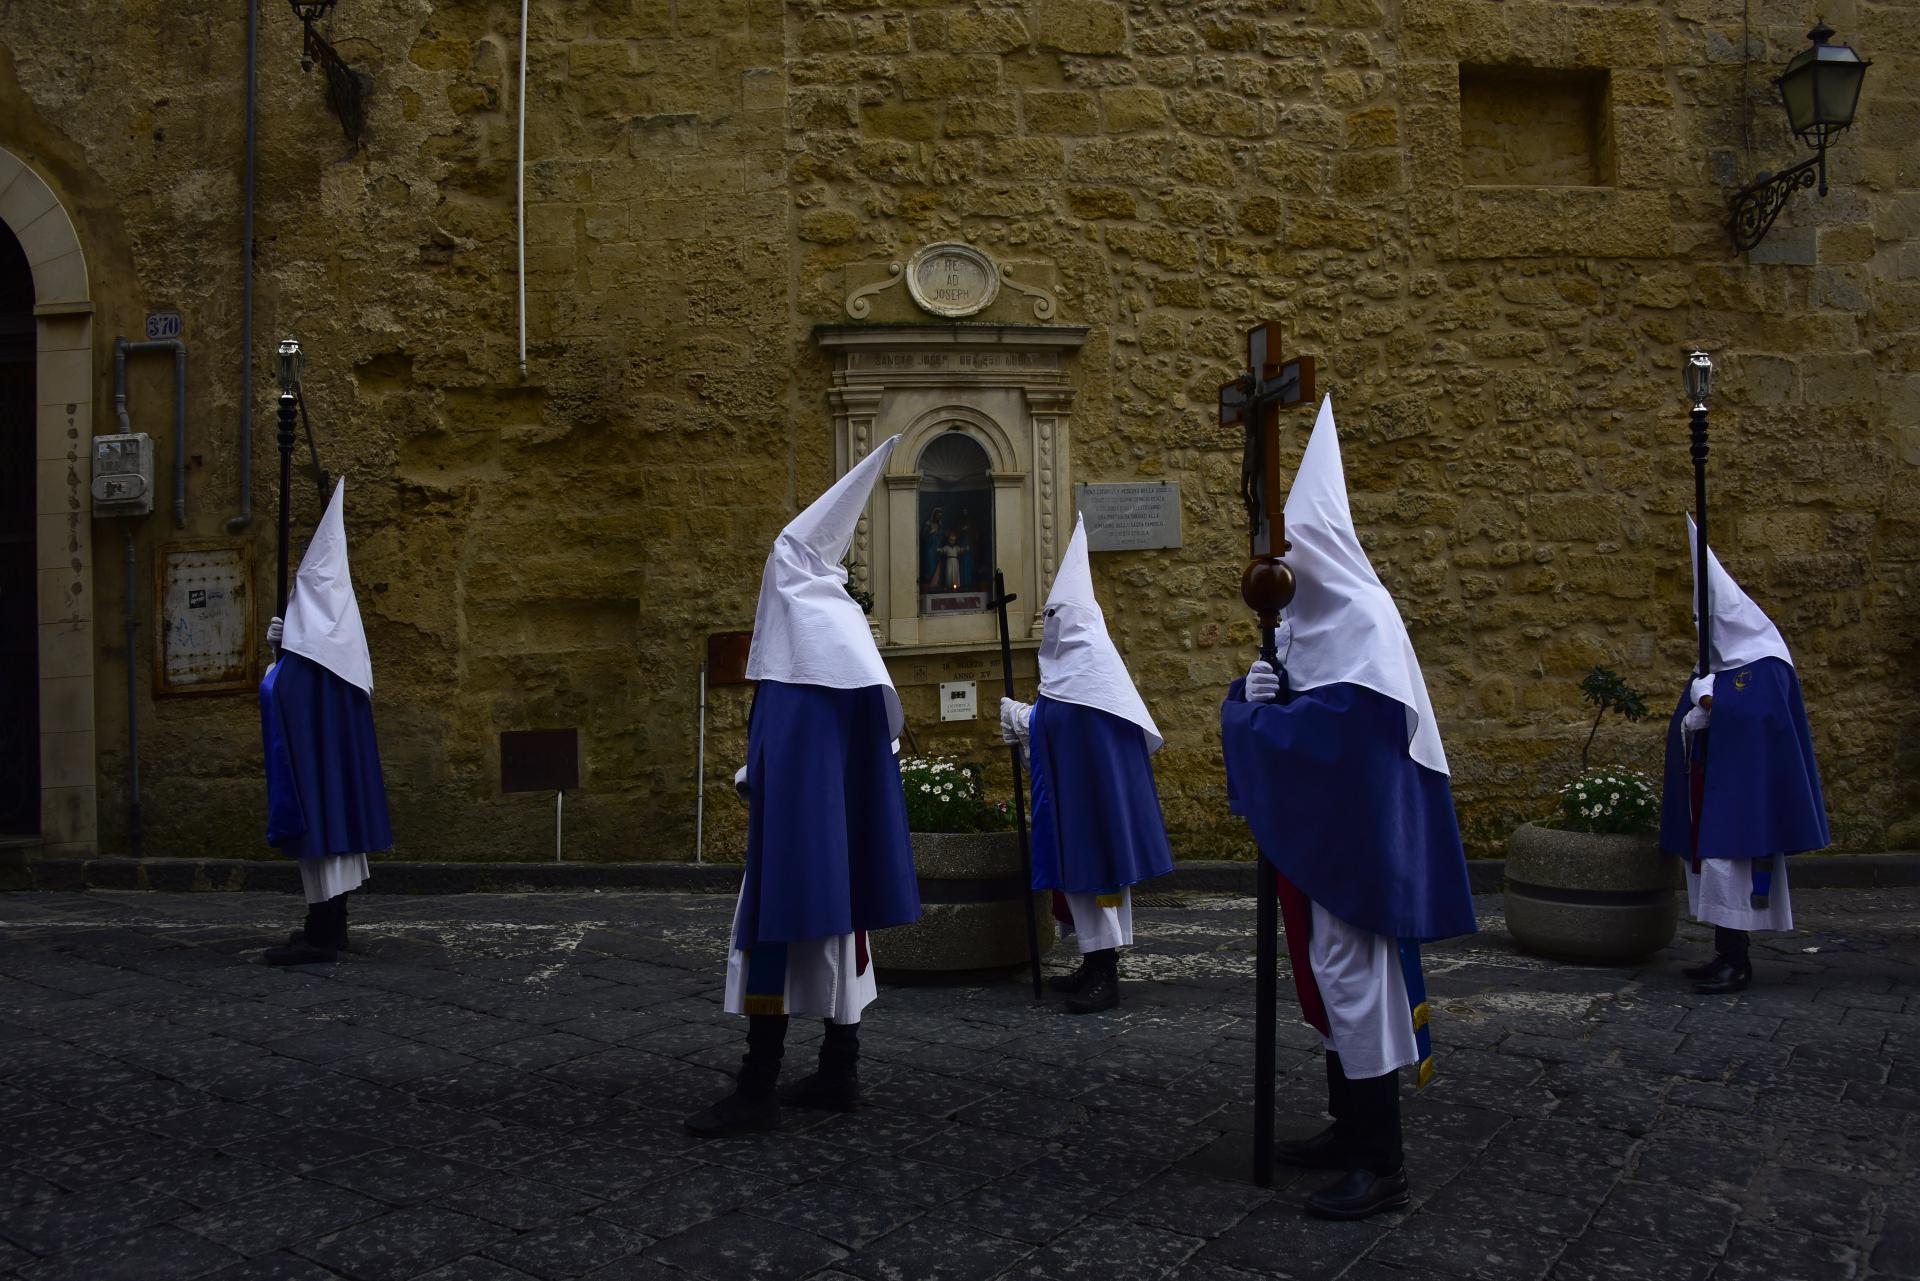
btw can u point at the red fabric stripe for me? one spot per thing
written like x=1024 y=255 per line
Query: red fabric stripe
x=1296 y=914
x=860 y=957
x=1061 y=912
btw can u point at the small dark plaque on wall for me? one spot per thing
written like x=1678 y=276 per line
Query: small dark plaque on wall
x=539 y=760
x=727 y=657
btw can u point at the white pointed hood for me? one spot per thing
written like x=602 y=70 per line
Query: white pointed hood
x=806 y=629
x=1345 y=629
x=1742 y=632
x=1078 y=663
x=323 y=618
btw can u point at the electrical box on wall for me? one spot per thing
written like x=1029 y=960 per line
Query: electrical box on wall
x=123 y=475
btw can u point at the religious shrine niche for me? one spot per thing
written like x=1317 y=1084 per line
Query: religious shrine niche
x=980 y=480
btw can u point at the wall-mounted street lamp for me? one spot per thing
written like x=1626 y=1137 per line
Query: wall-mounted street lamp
x=1820 y=88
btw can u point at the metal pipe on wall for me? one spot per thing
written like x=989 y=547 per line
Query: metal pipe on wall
x=520 y=190
x=245 y=518
x=121 y=349
x=135 y=836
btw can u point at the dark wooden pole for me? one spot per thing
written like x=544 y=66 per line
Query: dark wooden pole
x=1267 y=587
x=1002 y=600
x=288 y=402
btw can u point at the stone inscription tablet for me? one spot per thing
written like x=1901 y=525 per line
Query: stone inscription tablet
x=952 y=280
x=1130 y=518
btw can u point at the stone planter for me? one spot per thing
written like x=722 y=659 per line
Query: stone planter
x=974 y=915
x=1591 y=898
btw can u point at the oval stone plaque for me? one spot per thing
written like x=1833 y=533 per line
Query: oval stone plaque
x=952 y=280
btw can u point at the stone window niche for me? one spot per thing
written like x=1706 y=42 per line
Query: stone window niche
x=979 y=481
x=1536 y=127
x=956 y=526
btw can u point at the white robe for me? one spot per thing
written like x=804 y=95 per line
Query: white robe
x=1721 y=893
x=1098 y=928
x=1365 y=993
x=823 y=979
x=325 y=878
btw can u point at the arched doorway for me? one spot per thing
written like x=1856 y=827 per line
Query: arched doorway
x=19 y=598
x=46 y=516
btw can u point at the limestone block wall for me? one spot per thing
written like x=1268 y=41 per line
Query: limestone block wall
x=551 y=548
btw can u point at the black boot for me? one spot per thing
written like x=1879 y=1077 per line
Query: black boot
x=1074 y=982
x=1102 y=989
x=1376 y=1180
x=1332 y=1148
x=314 y=943
x=333 y=923
x=835 y=1087
x=1730 y=971
x=752 y=1105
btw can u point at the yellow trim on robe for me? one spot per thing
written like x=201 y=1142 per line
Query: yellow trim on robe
x=764 y=1004
x=1109 y=900
x=1419 y=1016
x=1426 y=1074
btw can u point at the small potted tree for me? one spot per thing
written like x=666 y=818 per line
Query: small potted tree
x=1590 y=884
x=972 y=878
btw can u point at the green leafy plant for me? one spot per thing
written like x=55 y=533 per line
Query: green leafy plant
x=945 y=795
x=1608 y=690
x=1610 y=800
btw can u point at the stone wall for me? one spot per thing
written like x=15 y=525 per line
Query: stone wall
x=551 y=548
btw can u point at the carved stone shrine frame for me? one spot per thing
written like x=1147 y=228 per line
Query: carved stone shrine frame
x=1004 y=386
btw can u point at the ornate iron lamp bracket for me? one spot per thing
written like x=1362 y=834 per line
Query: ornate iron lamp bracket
x=347 y=89
x=1756 y=206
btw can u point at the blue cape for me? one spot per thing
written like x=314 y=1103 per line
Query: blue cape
x=827 y=846
x=324 y=791
x=1762 y=784
x=1096 y=813
x=1324 y=780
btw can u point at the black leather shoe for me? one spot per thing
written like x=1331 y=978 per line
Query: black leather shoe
x=1725 y=978
x=1074 y=982
x=1102 y=992
x=1705 y=970
x=735 y=1114
x=301 y=950
x=838 y=1092
x=1326 y=1150
x=1358 y=1194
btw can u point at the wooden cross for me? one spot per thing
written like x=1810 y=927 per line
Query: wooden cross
x=1255 y=400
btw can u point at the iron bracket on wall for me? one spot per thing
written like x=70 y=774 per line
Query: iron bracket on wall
x=347 y=89
x=1756 y=206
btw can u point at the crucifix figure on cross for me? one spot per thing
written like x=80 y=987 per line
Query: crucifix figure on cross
x=1255 y=399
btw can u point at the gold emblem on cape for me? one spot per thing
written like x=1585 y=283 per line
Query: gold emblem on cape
x=1740 y=681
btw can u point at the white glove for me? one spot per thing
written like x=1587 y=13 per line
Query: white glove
x=1700 y=716
x=1016 y=719
x=274 y=630
x=740 y=783
x=1263 y=683
x=1283 y=638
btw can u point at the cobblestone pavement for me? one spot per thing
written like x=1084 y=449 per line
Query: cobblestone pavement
x=491 y=1089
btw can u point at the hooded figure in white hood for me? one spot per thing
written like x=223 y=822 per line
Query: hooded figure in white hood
x=1336 y=763
x=828 y=854
x=1087 y=741
x=326 y=801
x=1736 y=807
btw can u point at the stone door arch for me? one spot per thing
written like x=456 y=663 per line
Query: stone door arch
x=63 y=503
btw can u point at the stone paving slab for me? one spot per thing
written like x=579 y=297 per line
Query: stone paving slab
x=489 y=1088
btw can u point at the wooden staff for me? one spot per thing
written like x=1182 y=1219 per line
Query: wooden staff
x=1001 y=600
